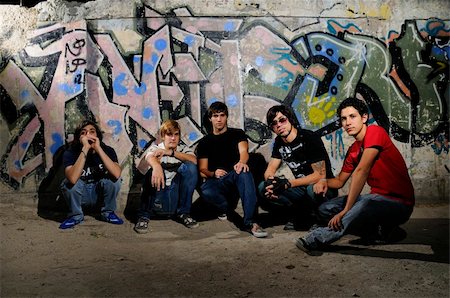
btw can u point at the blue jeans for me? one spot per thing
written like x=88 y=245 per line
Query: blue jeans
x=218 y=192
x=294 y=202
x=88 y=194
x=180 y=191
x=363 y=219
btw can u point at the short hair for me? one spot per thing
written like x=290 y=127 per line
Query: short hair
x=169 y=127
x=217 y=107
x=82 y=125
x=285 y=110
x=358 y=104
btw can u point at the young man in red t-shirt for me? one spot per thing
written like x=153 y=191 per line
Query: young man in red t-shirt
x=374 y=159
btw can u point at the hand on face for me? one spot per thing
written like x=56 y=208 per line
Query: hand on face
x=91 y=141
x=88 y=138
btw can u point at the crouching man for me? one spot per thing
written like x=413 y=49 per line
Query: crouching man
x=374 y=159
x=170 y=181
x=92 y=176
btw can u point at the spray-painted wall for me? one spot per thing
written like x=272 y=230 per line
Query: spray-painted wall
x=132 y=73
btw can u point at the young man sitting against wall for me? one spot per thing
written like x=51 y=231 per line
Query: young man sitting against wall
x=92 y=176
x=305 y=155
x=374 y=159
x=170 y=181
x=222 y=159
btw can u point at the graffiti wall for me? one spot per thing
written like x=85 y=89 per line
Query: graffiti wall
x=131 y=74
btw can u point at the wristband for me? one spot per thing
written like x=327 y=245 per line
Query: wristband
x=85 y=156
x=288 y=184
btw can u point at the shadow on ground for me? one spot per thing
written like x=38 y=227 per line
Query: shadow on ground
x=420 y=231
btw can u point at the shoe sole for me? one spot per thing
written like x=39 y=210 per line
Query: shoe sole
x=301 y=246
x=141 y=231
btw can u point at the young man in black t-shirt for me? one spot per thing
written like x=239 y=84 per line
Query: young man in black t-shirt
x=92 y=174
x=304 y=153
x=222 y=160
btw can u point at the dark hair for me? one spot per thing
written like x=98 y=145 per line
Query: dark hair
x=285 y=110
x=358 y=104
x=77 y=134
x=217 y=107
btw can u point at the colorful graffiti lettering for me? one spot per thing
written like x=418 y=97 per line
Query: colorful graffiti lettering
x=175 y=65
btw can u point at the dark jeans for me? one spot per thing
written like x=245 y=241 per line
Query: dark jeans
x=295 y=203
x=218 y=192
x=179 y=192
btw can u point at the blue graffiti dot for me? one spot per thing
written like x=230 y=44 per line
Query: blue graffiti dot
x=24 y=93
x=141 y=89
x=24 y=145
x=18 y=164
x=229 y=26
x=136 y=59
x=117 y=85
x=58 y=141
x=189 y=40
x=259 y=61
x=148 y=68
x=232 y=100
x=155 y=58
x=212 y=100
x=117 y=126
x=160 y=44
x=193 y=136
x=147 y=113
x=142 y=143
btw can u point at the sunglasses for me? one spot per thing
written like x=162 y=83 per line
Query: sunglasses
x=282 y=120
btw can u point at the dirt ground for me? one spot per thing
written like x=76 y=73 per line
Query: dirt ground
x=97 y=259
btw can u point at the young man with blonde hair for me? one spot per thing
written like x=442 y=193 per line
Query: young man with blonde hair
x=171 y=179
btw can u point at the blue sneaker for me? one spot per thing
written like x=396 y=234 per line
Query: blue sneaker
x=69 y=223
x=112 y=218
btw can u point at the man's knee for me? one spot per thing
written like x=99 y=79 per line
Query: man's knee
x=188 y=170
x=108 y=184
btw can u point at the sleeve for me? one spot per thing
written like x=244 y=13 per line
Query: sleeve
x=375 y=137
x=202 y=151
x=318 y=151
x=276 y=149
x=185 y=149
x=351 y=159
x=111 y=153
x=151 y=150
x=241 y=136
x=68 y=158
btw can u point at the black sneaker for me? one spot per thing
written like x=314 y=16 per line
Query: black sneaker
x=303 y=246
x=289 y=226
x=141 y=227
x=188 y=221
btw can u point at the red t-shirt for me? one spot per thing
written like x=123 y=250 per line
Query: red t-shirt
x=389 y=176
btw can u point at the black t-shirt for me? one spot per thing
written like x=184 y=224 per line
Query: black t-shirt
x=221 y=150
x=94 y=169
x=305 y=149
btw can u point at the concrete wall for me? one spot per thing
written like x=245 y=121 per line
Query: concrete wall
x=132 y=64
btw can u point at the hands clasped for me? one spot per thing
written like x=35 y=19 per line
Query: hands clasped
x=275 y=186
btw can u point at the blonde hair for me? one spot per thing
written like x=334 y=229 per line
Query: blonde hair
x=169 y=127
